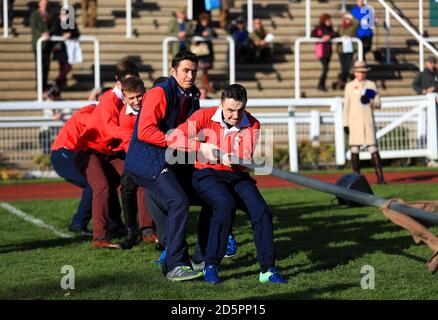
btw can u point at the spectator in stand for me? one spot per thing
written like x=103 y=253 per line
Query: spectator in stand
x=427 y=81
x=89 y=13
x=48 y=133
x=60 y=50
x=244 y=47
x=347 y=29
x=41 y=24
x=182 y=28
x=226 y=5
x=323 y=49
x=203 y=93
x=262 y=41
x=204 y=32
x=365 y=17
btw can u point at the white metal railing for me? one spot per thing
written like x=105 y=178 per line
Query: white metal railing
x=297 y=55
x=5 y=19
x=422 y=42
x=415 y=116
x=59 y=38
x=231 y=54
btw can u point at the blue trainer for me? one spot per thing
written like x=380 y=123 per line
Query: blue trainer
x=231 y=247
x=271 y=276
x=162 y=257
x=211 y=274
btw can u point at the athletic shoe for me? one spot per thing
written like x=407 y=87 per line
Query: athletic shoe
x=198 y=266
x=160 y=261
x=211 y=274
x=231 y=247
x=271 y=276
x=183 y=273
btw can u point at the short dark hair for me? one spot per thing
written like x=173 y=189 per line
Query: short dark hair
x=132 y=84
x=234 y=91
x=184 y=55
x=126 y=68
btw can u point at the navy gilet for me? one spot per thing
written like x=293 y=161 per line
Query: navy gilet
x=145 y=160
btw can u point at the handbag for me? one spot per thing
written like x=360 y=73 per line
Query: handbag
x=200 y=49
x=212 y=4
x=74 y=51
x=319 y=50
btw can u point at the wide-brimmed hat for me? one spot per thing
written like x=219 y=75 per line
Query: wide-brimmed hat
x=360 y=66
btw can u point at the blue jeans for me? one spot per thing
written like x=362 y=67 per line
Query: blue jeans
x=63 y=163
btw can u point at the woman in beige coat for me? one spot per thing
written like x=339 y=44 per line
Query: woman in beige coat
x=361 y=98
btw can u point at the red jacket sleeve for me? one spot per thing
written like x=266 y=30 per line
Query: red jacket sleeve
x=110 y=106
x=153 y=111
x=185 y=136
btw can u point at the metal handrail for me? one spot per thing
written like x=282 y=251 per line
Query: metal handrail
x=232 y=59
x=59 y=38
x=298 y=42
x=422 y=40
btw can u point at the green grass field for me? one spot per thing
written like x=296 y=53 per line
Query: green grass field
x=321 y=248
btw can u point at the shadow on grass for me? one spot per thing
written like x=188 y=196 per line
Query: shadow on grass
x=310 y=293
x=40 y=244
x=88 y=284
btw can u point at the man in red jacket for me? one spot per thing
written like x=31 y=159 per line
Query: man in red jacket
x=226 y=186
x=102 y=156
x=133 y=196
x=63 y=153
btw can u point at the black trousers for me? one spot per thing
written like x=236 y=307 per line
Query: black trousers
x=325 y=69
x=345 y=59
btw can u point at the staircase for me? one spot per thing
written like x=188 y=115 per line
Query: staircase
x=150 y=19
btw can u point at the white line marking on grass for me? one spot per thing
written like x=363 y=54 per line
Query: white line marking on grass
x=35 y=221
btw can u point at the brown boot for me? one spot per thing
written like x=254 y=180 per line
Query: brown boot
x=355 y=161
x=375 y=156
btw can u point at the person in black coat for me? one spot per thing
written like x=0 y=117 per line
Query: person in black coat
x=69 y=31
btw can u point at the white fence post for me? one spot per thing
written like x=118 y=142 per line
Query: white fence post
x=315 y=120
x=339 y=131
x=5 y=19
x=128 y=19
x=249 y=6
x=421 y=30
x=292 y=133
x=189 y=9
x=432 y=130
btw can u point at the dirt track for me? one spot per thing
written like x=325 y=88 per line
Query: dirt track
x=64 y=190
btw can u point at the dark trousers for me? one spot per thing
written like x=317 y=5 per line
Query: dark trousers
x=345 y=59
x=64 y=165
x=134 y=204
x=168 y=190
x=325 y=69
x=367 y=44
x=103 y=173
x=224 y=192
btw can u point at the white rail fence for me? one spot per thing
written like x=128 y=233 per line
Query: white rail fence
x=407 y=127
x=59 y=38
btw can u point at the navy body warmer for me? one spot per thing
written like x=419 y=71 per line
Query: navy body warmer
x=145 y=160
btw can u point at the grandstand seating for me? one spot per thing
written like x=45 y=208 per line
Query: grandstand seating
x=150 y=19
